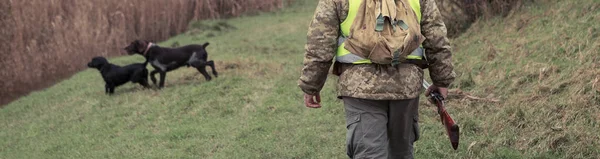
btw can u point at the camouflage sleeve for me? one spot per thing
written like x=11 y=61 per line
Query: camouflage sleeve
x=320 y=47
x=437 y=46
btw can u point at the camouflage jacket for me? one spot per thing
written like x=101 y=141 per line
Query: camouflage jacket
x=373 y=81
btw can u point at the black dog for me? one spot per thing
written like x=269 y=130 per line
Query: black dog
x=115 y=76
x=165 y=59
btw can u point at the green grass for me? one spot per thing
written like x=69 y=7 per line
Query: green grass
x=541 y=63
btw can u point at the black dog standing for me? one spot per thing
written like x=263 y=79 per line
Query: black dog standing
x=115 y=76
x=165 y=59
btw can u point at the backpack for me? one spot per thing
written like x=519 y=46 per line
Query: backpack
x=384 y=31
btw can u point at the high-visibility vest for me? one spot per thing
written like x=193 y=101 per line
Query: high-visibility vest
x=344 y=56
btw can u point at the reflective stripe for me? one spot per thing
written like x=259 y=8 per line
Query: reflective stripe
x=417 y=54
x=355 y=59
x=344 y=56
x=341 y=40
x=349 y=58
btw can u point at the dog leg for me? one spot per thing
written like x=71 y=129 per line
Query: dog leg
x=111 y=89
x=141 y=77
x=201 y=67
x=106 y=88
x=144 y=82
x=152 y=76
x=163 y=75
x=211 y=63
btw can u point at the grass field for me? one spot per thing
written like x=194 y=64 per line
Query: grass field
x=541 y=63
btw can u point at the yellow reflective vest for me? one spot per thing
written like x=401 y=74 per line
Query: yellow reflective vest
x=344 y=56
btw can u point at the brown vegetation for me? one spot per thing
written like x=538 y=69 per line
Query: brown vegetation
x=44 y=41
x=460 y=14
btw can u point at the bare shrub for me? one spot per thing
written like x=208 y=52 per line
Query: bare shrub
x=460 y=14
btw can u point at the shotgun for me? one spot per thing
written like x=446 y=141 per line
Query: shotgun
x=452 y=128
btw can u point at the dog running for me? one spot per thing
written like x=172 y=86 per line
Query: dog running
x=165 y=59
x=115 y=75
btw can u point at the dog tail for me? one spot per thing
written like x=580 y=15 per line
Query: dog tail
x=205 y=44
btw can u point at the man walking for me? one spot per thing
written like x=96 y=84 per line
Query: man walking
x=380 y=99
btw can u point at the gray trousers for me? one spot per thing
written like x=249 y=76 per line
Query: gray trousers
x=381 y=129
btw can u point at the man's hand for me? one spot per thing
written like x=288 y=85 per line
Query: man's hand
x=443 y=91
x=309 y=101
